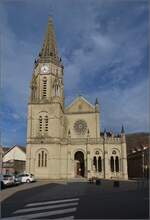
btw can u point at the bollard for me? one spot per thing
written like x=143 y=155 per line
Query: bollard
x=98 y=182
x=90 y=180
x=116 y=183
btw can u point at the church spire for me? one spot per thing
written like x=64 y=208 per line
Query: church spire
x=122 y=130
x=49 y=51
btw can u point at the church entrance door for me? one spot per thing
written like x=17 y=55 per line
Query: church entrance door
x=79 y=159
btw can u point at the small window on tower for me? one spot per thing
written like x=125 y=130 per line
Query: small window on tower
x=40 y=123
x=46 y=123
x=44 y=87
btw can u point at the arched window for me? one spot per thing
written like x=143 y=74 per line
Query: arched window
x=95 y=163
x=117 y=164
x=40 y=123
x=99 y=164
x=44 y=87
x=42 y=159
x=112 y=164
x=46 y=123
x=39 y=160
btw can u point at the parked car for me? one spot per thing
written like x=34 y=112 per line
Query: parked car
x=26 y=177
x=17 y=180
x=8 y=179
x=2 y=186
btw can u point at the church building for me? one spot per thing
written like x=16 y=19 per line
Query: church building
x=66 y=142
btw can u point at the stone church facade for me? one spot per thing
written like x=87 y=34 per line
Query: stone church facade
x=66 y=142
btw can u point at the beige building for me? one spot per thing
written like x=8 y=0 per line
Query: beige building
x=14 y=160
x=66 y=142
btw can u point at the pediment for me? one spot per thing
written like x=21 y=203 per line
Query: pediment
x=79 y=105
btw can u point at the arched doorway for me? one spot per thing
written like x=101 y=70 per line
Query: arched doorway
x=79 y=165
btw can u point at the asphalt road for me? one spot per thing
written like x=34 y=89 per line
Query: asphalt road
x=79 y=200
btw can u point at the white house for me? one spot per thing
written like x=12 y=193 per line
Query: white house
x=14 y=160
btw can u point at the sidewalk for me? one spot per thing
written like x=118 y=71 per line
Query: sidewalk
x=9 y=191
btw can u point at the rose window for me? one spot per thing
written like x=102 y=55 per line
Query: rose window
x=80 y=126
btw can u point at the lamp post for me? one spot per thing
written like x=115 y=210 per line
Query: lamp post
x=88 y=135
x=142 y=149
x=68 y=153
x=104 y=154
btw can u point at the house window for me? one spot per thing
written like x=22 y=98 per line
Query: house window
x=42 y=159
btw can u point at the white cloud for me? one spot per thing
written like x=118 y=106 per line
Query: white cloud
x=91 y=51
x=129 y=106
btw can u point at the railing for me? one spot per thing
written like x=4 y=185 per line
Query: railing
x=73 y=141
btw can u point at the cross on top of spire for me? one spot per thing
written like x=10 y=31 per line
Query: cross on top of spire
x=49 y=51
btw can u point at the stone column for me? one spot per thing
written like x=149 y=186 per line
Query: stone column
x=88 y=165
x=124 y=161
x=68 y=163
x=106 y=162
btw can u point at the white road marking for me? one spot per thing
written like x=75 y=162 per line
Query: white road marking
x=66 y=218
x=51 y=202
x=43 y=214
x=45 y=207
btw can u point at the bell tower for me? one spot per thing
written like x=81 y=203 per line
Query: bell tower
x=47 y=81
x=45 y=125
x=46 y=103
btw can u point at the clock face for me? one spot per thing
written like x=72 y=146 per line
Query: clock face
x=80 y=126
x=44 y=69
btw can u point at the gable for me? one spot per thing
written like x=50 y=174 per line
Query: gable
x=15 y=153
x=79 y=105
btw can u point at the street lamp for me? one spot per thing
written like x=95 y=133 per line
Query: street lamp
x=142 y=149
x=88 y=135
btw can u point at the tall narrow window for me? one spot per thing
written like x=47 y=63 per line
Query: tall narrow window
x=46 y=123
x=39 y=160
x=112 y=164
x=99 y=164
x=42 y=164
x=117 y=164
x=45 y=160
x=42 y=159
x=40 y=123
x=95 y=163
x=44 y=87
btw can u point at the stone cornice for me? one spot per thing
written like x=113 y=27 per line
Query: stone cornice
x=72 y=141
x=77 y=113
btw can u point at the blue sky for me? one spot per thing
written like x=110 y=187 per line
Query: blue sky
x=104 y=48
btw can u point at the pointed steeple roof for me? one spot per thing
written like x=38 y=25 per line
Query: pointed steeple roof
x=96 y=101
x=49 y=51
x=122 y=130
